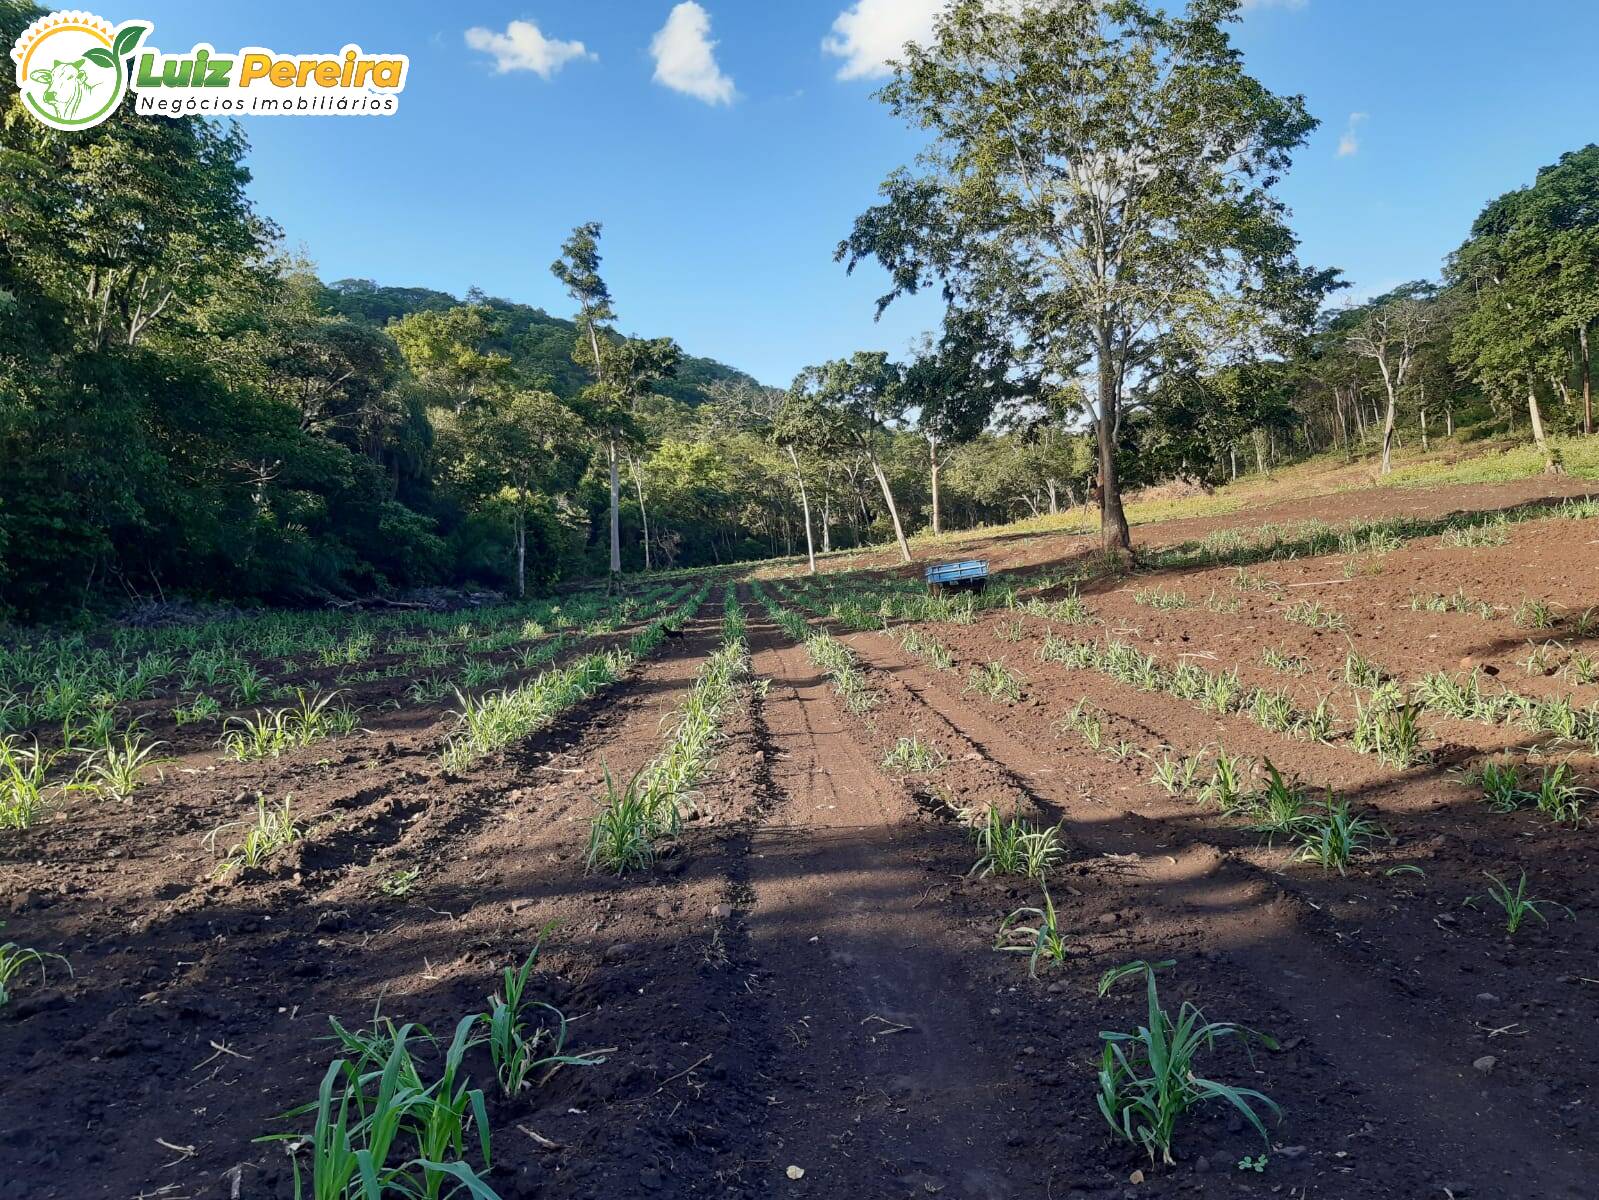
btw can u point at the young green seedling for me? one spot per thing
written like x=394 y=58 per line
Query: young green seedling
x=1517 y=905
x=1147 y=1079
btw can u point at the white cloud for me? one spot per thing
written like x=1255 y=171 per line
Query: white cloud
x=523 y=47
x=685 y=58
x=869 y=33
x=1349 y=143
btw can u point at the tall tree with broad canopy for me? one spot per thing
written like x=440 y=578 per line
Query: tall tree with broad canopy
x=517 y=449
x=851 y=403
x=1100 y=178
x=1392 y=333
x=1530 y=270
x=633 y=368
x=448 y=353
x=801 y=422
x=578 y=270
x=788 y=422
x=954 y=385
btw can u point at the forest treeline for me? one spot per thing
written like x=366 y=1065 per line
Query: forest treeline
x=185 y=408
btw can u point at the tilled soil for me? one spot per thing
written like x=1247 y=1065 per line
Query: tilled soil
x=802 y=997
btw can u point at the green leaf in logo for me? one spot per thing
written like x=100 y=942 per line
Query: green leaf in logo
x=100 y=57
x=127 y=39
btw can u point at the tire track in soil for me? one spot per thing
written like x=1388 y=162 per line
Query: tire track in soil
x=890 y=1080
x=1411 y=1080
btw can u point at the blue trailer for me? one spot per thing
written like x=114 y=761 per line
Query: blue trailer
x=969 y=576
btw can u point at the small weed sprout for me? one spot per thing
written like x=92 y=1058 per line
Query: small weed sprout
x=1086 y=723
x=201 y=708
x=1314 y=615
x=1581 y=668
x=14 y=959
x=526 y=1054
x=1280 y=660
x=114 y=771
x=1226 y=787
x=1014 y=847
x=935 y=652
x=23 y=791
x=1534 y=613
x=1517 y=905
x=273 y=830
x=1335 y=836
x=400 y=883
x=1279 y=807
x=1541 y=658
x=1041 y=941
x=1501 y=786
x=1361 y=672
x=1245 y=580
x=1159 y=598
x=1217 y=603
x=1390 y=730
x=1558 y=797
x=996 y=681
x=913 y=756
x=1168 y=774
x=1124 y=750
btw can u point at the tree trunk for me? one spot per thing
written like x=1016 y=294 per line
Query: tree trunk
x=827 y=522
x=1424 y=444
x=1115 y=536
x=1550 y=466
x=893 y=509
x=805 y=504
x=1587 y=382
x=521 y=549
x=1388 y=439
x=1449 y=417
x=932 y=461
x=616 y=512
x=644 y=517
x=1054 y=497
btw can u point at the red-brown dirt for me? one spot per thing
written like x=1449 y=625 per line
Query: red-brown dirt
x=807 y=978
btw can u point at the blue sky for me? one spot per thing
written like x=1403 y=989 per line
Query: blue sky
x=724 y=188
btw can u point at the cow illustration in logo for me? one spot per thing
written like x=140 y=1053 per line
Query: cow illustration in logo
x=72 y=67
x=67 y=85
